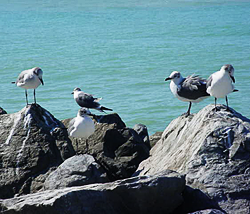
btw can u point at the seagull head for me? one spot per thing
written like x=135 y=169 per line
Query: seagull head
x=84 y=111
x=38 y=71
x=230 y=70
x=175 y=76
x=76 y=90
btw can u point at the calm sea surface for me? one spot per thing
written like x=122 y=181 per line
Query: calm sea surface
x=122 y=51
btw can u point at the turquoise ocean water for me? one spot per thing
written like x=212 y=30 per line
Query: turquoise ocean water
x=122 y=51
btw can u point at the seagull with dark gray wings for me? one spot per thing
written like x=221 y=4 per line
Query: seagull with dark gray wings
x=88 y=101
x=191 y=89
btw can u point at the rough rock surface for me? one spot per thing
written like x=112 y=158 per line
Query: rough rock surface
x=213 y=150
x=76 y=171
x=2 y=111
x=32 y=144
x=208 y=211
x=118 y=149
x=160 y=193
x=153 y=139
x=142 y=131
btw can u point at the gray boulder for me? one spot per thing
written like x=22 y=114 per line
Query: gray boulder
x=208 y=211
x=118 y=149
x=32 y=144
x=213 y=150
x=160 y=193
x=76 y=171
x=154 y=138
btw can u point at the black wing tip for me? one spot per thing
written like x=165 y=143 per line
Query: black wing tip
x=107 y=109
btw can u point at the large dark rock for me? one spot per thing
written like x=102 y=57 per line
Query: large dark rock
x=2 y=111
x=118 y=149
x=32 y=144
x=76 y=171
x=213 y=150
x=160 y=193
x=142 y=131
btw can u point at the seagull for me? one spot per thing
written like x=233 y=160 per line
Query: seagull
x=30 y=79
x=219 y=84
x=88 y=101
x=82 y=126
x=191 y=89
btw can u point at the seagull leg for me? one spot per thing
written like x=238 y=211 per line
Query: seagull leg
x=227 y=103
x=76 y=146
x=26 y=95
x=189 y=108
x=215 y=99
x=87 y=145
x=35 y=95
x=186 y=114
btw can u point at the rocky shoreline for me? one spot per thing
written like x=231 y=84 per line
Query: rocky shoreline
x=199 y=164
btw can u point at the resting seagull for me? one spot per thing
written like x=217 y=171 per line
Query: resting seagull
x=219 y=84
x=82 y=126
x=30 y=79
x=191 y=89
x=88 y=101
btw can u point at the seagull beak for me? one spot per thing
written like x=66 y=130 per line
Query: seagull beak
x=72 y=92
x=41 y=81
x=232 y=77
x=169 y=78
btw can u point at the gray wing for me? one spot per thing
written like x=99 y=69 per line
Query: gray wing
x=209 y=81
x=71 y=125
x=87 y=101
x=193 y=87
x=20 y=78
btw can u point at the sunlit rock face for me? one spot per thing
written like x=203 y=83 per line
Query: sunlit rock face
x=212 y=148
x=32 y=143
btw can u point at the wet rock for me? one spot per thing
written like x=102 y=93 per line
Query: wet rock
x=118 y=149
x=32 y=144
x=159 y=194
x=76 y=171
x=212 y=149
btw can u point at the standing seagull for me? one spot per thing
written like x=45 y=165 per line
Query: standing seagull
x=30 y=79
x=191 y=89
x=82 y=125
x=88 y=101
x=219 y=84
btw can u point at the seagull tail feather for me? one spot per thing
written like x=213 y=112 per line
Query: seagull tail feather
x=102 y=108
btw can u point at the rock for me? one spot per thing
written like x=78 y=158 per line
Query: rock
x=208 y=211
x=213 y=150
x=118 y=149
x=159 y=194
x=142 y=131
x=32 y=144
x=155 y=138
x=2 y=111
x=76 y=171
